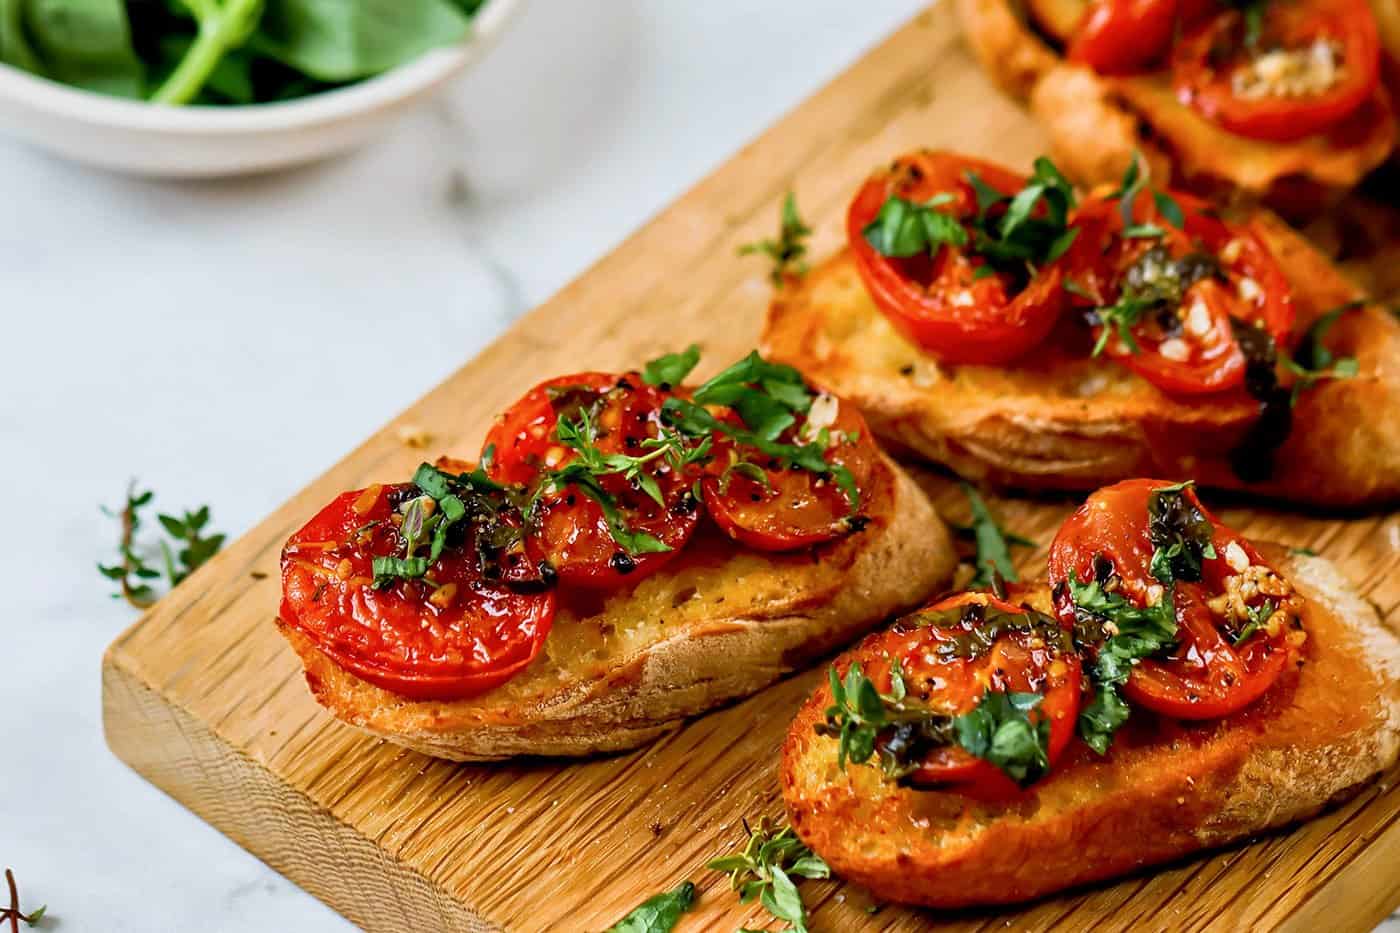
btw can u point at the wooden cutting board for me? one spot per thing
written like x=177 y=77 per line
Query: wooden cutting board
x=206 y=700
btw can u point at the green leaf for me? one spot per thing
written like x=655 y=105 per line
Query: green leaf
x=14 y=43
x=331 y=40
x=173 y=525
x=85 y=43
x=782 y=900
x=658 y=914
x=790 y=246
x=1000 y=730
x=903 y=228
x=993 y=543
x=671 y=369
x=1169 y=209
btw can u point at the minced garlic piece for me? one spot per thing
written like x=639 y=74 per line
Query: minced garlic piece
x=1300 y=72
x=1174 y=348
x=821 y=415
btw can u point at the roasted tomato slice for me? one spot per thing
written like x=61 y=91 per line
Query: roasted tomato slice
x=1235 y=624
x=1183 y=288
x=760 y=504
x=449 y=636
x=1123 y=36
x=950 y=654
x=570 y=529
x=1313 y=64
x=950 y=303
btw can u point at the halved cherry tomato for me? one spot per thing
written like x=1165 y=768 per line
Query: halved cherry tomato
x=792 y=508
x=1123 y=36
x=522 y=438
x=1188 y=346
x=569 y=529
x=1206 y=675
x=1236 y=87
x=452 y=636
x=941 y=671
x=947 y=303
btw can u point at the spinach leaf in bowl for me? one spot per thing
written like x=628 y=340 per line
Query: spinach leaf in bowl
x=223 y=52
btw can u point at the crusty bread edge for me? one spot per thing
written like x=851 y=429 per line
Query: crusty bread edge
x=1273 y=787
x=699 y=667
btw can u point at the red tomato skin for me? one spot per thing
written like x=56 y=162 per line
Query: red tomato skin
x=1200 y=85
x=959 y=321
x=522 y=437
x=1221 y=365
x=819 y=511
x=954 y=768
x=1121 y=37
x=1113 y=523
x=395 y=638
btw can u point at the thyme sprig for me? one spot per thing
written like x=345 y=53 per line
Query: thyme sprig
x=765 y=868
x=187 y=548
x=789 y=248
x=13 y=912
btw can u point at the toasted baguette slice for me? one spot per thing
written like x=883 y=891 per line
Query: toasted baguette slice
x=1095 y=123
x=1057 y=419
x=1163 y=791
x=719 y=623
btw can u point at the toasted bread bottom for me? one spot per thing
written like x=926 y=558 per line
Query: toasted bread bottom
x=1057 y=419
x=1164 y=790
x=719 y=624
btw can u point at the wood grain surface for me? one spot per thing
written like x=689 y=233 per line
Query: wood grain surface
x=206 y=700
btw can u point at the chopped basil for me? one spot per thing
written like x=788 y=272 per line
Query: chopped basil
x=1133 y=183
x=1016 y=240
x=1180 y=533
x=993 y=543
x=1124 y=634
x=671 y=369
x=998 y=729
x=658 y=914
x=1154 y=283
x=1258 y=617
x=904 y=228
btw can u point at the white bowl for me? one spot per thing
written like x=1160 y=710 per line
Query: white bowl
x=206 y=142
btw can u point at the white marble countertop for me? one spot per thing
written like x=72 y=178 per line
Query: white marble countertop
x=178 y=333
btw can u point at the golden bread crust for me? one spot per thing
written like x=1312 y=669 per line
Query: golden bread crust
x=1163 y=791
x=1059 y=420
x=725 y=624
x=1095 y=123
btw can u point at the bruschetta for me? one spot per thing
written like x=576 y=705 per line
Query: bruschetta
x=1284 y=101
x=1016 y=332
x=626 y=553
x=1170 y=687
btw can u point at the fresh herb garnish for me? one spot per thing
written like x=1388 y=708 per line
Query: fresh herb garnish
x=788 y=250
x=765 y=869
x=188 y=549
x=1253 y=13
x=1133 y=183
x=494 y=511
x=1152 y=283
x=1125 y=634
x=1017 y=239
x=768 y=397
x=590 y=465
x=998 y=729
x=1180 y=533
x=1258 y=617
x=994 y=543
x=670 y=370
x=1313 y=362
x=12 y=913
x=904 y=228
x=659 y=913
